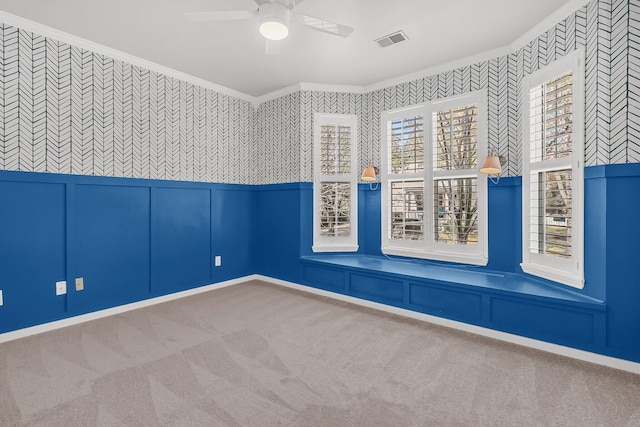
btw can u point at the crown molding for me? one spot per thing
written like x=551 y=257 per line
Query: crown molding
x=256 y=101
x=259 y=100
x=43 y=30
x=448 y=66
x=547 y=23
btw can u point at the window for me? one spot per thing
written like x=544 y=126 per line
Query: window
x=434 y=199
x=552 y=182
x=335 y=185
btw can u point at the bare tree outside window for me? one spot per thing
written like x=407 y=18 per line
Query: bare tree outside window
x=455 y=205
x=335 y=197
x=335 y=213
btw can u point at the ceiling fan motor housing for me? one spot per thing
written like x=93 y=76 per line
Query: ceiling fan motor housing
x=274 y=20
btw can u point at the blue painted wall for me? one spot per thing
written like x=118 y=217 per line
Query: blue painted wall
x=130 y=239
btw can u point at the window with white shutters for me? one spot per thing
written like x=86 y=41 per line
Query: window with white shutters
x=451 y=225
x=552 y=172
x=335 y=184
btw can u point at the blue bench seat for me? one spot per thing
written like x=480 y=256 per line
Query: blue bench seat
x=509 y=302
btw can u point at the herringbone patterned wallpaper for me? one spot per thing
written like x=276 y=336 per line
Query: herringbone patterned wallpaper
x=607 y=30
x=68 y=110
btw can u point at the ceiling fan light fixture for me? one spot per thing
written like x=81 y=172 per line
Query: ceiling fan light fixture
x=274 y=21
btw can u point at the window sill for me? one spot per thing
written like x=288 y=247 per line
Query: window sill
x=334 y=248
x=554 y=275
x=463 y=258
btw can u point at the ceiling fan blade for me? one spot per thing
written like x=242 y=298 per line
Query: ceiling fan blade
x=289 y=4
x=229 y=15
x=322 y=25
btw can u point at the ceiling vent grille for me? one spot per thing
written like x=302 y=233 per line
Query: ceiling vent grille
x=393 y=38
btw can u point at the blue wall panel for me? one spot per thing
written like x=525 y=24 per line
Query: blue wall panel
x=622 y=244
x=233 y=229
x=32 y=252
x=181 y=256
x=560 y=324
x=369 y=220
x=451 y=303
x=505 y=219
x=325 y=278
x=377 y=288
x=595 y=237
x=110 y=246
x=278 y=237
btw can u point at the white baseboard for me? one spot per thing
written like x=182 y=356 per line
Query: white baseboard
x=586 y=356
x=63 y=323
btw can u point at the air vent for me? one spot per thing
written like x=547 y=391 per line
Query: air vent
x=393 y=38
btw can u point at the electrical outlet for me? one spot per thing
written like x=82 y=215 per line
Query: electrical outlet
x=218 y=261
x=61 y=287
x=1 y=300
x=79 y=284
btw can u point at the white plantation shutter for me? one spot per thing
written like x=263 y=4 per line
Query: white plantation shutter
x=335 y=183
x=406 y=177
x=552 y=172
x=451 y=225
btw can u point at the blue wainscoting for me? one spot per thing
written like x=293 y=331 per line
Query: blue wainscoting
x=133 y=239
x=604 y=317
x=129 y=239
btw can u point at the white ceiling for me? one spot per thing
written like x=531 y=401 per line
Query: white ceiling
x=232 y=54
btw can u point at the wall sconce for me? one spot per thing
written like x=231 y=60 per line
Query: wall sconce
x=492 y=166
x=370 y=175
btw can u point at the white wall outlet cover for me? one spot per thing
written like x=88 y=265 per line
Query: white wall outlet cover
x=1 y=300
x=218 y=261
x=61 y=287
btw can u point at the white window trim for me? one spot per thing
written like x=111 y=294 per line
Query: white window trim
x=566 y=271
x=428 y=248
x=335 y=244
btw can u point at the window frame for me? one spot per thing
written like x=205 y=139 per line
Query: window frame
x=428 y=248
x=568 y=271
x=335 y=243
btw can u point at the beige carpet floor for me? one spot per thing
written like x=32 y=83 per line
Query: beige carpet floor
x=260 y=355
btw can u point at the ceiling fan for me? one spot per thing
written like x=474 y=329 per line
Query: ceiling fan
x=274 y=17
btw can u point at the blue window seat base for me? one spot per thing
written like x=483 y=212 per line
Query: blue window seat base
x=454 y=275
x=509 y=302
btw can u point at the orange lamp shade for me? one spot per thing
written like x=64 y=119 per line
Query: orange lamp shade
x=491 y=165
x=369 y=174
